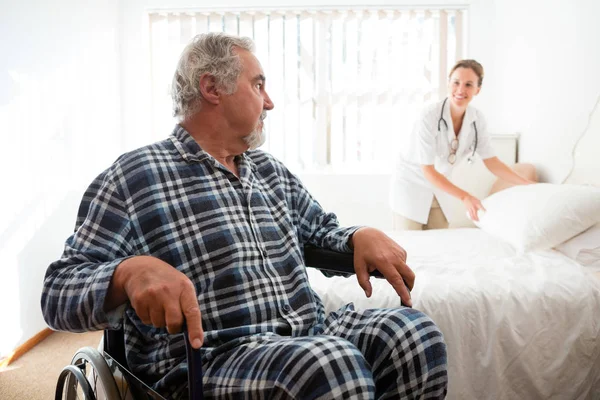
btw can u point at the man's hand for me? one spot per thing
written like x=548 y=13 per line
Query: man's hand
x=160 y=295
x=374 y=250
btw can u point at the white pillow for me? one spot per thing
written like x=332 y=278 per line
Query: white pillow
x=541 y=215
x=583 y=248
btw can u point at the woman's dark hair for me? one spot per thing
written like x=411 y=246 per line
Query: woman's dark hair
x=472 y=64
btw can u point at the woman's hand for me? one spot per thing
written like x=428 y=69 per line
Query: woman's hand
x=472 y=204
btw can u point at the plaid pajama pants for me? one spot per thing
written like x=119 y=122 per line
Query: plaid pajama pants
x=372 y=354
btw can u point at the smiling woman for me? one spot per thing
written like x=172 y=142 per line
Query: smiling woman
x=446 y=132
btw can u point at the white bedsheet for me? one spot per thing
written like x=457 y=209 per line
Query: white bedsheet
x=516 y=326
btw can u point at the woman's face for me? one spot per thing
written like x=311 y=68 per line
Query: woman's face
x=463 y=86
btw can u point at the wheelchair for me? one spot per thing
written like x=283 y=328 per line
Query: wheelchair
x=92 y=375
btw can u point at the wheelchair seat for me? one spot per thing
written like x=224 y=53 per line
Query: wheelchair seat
x=92 y=375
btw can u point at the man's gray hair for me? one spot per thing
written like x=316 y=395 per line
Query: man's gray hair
x=210 y=53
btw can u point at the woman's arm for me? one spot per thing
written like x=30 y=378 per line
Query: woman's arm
x=504 y=172
x=472 y=203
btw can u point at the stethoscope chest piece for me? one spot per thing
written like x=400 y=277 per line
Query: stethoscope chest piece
x=454 y=147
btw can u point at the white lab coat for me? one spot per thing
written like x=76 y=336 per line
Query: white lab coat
x=411 y=193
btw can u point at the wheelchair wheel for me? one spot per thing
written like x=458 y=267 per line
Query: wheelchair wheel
x=88 y=377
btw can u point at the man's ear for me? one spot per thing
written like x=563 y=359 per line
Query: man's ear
x=208 y=88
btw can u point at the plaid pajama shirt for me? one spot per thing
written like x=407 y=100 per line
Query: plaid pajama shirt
x=240 y=241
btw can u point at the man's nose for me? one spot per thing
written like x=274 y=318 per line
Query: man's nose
x=268 y=102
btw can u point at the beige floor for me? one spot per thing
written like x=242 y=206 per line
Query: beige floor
x=34 y=375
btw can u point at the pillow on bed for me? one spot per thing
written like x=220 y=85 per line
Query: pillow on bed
x=583 y=248
x=541 y=215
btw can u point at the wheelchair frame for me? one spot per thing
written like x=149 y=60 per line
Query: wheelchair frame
x=111 y=370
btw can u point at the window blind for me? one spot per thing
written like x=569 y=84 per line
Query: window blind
x=346 y=83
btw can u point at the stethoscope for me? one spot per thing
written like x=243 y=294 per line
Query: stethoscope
x=452 y=155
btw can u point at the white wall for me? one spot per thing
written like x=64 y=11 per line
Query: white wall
x=542 y=59
x=59 y=126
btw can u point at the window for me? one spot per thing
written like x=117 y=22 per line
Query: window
x=346 y=83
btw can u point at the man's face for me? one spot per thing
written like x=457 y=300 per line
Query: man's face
x=247 y=107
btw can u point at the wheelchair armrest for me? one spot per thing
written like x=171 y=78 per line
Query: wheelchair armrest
x=114 y=344
x=335 y=263
x=332 y=262
x=194 y=359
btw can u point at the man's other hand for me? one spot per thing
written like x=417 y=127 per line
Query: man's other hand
x=374 y=250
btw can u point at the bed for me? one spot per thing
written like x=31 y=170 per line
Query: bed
x=517 y=326
x=518 y=323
